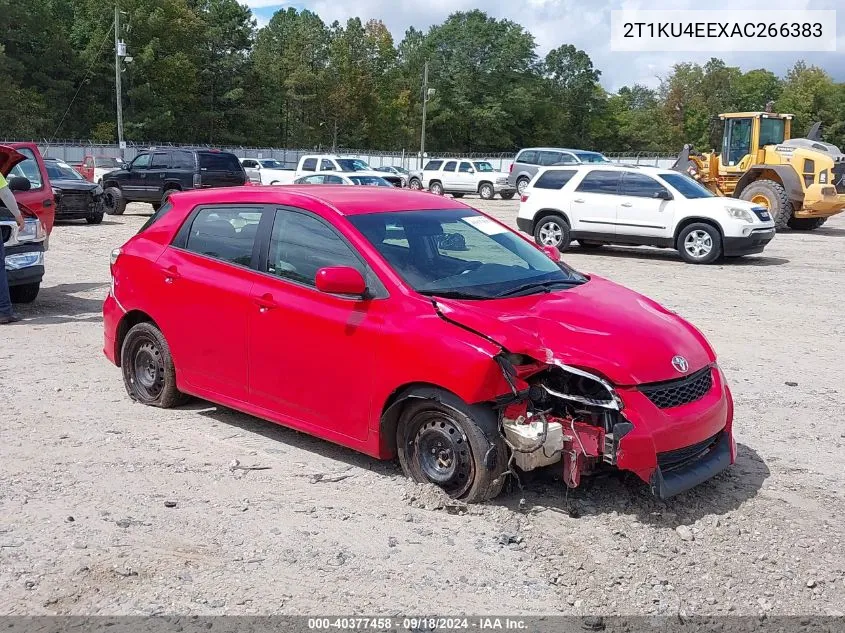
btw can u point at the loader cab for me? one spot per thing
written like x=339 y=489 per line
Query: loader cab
x=746 y=133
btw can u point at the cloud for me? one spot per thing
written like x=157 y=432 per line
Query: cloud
x=583 y=23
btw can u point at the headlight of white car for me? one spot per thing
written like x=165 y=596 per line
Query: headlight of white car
x=741 y=214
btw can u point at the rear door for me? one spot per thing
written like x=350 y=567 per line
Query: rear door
x=449 y=176
x=594 y=202
x=640 y=210
x=220 y=169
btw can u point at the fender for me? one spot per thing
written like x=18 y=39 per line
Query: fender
x=786 y=174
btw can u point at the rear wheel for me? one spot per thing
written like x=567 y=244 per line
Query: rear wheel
x=486 y=191
x=772 y=195
x=552 y=230
x=415 y=184
x=441 y=442
x=521 y=184
x=148 y=371
x=436 y=188
x=25 y=293
x=457 y=195
x=113 y=201
x=507 y=195
x=166 y=196
x=700 y=243
x=806 y=224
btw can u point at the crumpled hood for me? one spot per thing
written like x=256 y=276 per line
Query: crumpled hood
x=9 y=157
x=599 y=326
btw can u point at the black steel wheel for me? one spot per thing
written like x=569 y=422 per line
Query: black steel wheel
x=148 y=371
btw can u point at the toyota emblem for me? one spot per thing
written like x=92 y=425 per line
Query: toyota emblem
x=680 y=363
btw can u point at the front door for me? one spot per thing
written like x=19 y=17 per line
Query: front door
x=156 y=175
x=135 y=182
x=465 y=178
x=205 y=280
x=311 y=354
x=736 y=143
x=594 y=202
x=641 y=209
x=450 y=182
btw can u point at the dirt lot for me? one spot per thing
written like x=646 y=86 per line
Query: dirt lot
x=87 y=478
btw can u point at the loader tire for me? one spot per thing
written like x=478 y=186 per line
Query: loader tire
x=806 y=224
x=776 y=200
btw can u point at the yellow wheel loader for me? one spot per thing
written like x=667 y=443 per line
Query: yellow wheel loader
x=800 y=180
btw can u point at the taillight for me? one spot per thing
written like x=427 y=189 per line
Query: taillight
x=113 y=257
x=197 y=181
x=523 y=197
x=510 y=169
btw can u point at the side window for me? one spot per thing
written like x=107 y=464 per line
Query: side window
x=326 y=165
x=160 y=161
x=549 y=158
x=465 y=168
x=309 y=164
x=641 y=186
x=554 y=178
x=450 y=166
x=332 y=180
x=316 y=180
x=225 y=233
x=142 y=161
x=302 y=244
x=566 y=158
x=528 y=157
x=182 y=160
x=250 y=164
x=28 y=169
x=600 y=181
x=432 y=165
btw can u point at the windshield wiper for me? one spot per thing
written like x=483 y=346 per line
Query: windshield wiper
x=451 y=294
x=545 y=286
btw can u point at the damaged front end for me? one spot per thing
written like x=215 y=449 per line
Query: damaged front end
x=563 y=414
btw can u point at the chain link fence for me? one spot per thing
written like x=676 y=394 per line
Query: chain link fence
x=74 y=151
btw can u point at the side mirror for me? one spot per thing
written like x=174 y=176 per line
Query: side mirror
x=341 y=280
x=18 y=183
x=662 y=195
x=552 y=253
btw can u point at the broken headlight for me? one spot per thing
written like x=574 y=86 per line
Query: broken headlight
x=581 y=387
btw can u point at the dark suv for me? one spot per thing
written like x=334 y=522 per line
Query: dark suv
x=154 y=174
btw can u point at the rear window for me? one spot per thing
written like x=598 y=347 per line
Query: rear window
x=219 y=161
x=309 y=164
x=528 y=157
x=600 y=181
x=554 y=178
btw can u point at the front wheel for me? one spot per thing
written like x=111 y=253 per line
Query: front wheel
x=25 y=293
x=95 y=218
x=486 y=191
x=508 y=195
x=436 y=188
x=700 y=243
x=552 y=230
x=441 y=442
x=113 y=201
x=148 y=372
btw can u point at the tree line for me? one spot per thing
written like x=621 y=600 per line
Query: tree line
x=203 y=72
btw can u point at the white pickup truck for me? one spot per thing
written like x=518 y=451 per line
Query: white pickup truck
x=268 y=171
x=321 y=163
x=460 y=177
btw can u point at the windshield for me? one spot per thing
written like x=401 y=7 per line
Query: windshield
x=272 y=164
x=352 y=164
x=373 y=181
x=687 y=187
x=483 y=166
x=461 y=253
x=61 y=171
x=591 y=157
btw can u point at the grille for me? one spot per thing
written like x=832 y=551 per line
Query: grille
x=76 y=201
x=680 y=457
x=839 y=176
x=674 y=393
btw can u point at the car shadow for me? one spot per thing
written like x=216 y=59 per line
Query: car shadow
x=827 y=231
x=646 y=253
x=286 y=437
x=624 y=493
x=60 y=304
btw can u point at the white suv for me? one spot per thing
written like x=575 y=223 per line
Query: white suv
x=643 y=206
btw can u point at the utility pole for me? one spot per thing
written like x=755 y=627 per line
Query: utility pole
x=119 y=52
x=425 y=96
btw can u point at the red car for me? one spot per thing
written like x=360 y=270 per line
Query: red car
x=403 y=323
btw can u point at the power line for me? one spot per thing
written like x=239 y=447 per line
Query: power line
x=82 y=83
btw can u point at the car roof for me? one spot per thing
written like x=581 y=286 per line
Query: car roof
x=556 y=149
x=346 y=200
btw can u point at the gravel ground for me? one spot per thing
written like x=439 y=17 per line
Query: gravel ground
x=111 y=508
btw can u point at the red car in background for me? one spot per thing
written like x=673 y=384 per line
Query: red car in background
x=406 y=324
x=39 y=198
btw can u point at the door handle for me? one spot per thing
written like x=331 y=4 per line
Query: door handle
x=170 y=274
x=579 y=200
x=626 y=204
x=265 y=302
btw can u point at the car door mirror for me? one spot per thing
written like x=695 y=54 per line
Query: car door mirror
x=18 y=183
x=662 y=195
x=471 y=170
x=341 y=280
x=552 y=253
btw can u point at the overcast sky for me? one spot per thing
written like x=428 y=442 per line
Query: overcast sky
x=584 y=23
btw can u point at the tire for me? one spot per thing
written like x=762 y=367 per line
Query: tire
x=776 y=200
x=25 y=293
x=552 y=230
x=436 y=188
x=486 y=191
x=414 y=184
x=155 y=205
x=113 y=201
x=148 y=372
x=508 y=195
x=166 y=196
x=590 y=245
x=521 y=184
x=806 y=224
x=457 y=195
x=442 y=442
x=699 y=243
x=96 y=218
